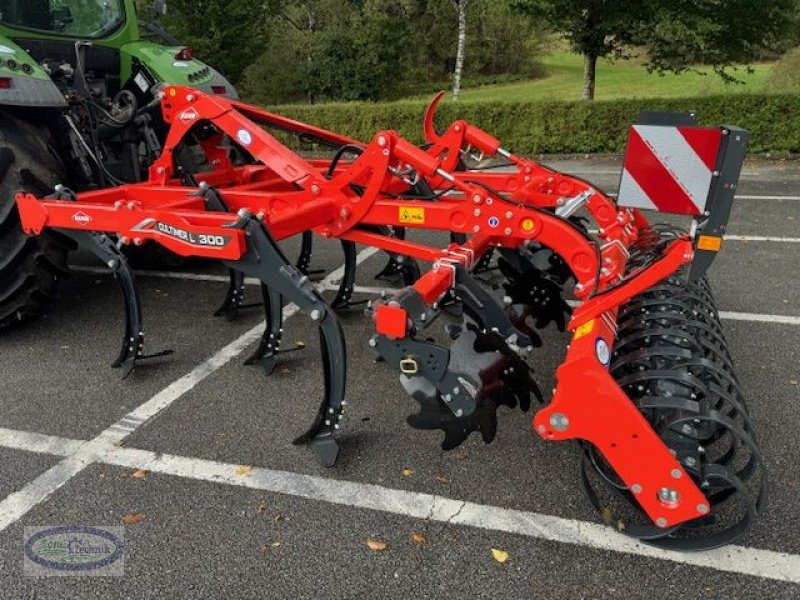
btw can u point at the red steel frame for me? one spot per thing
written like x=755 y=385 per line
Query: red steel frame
x=292 y=194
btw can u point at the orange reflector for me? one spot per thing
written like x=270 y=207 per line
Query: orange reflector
x=709 y=242
x=528 y=225
x=584 y=330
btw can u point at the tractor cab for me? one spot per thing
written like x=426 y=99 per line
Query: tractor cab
x=85 y=19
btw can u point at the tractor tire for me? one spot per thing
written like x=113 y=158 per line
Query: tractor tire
x=30 y=267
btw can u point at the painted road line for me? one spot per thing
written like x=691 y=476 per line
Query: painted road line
x=759 y=318
x=16 y=505
x=746 y=238
x=330 y=284
x=739 y=197
x=734 y=559
x=762 y=238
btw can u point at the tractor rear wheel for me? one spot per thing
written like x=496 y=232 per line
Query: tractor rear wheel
x=30 y=267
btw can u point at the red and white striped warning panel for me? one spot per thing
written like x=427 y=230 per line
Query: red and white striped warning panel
x=669 y=169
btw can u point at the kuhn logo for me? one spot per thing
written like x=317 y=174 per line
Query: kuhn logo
x=188 y=116
x=81 y=218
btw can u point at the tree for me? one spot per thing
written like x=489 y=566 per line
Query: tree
x=228 y=34
x=461 y=7
x=675 y=33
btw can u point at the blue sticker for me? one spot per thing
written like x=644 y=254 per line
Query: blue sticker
x=494 y=222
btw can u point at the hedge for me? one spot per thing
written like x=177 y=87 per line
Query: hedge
x=566 y=127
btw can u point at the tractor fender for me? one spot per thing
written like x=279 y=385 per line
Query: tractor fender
x=29 y=85
x=162 y=63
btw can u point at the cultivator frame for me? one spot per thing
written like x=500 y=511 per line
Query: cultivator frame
x=236 y=212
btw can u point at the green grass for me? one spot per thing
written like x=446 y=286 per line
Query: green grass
x=620 y=79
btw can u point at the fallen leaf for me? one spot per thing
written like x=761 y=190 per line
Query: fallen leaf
x=499 y=555
x=65 y=347
x=243 y=470
x=285 y=370
x=276 y=544
x=419 y=538
x=133 y=518
x=407 y=472
x=262 y=508
x=140 y=474
x=377 y=545
x=461 y=454
x=300 y=344
x=442 y=479
x=102 y=475
x=278 y=518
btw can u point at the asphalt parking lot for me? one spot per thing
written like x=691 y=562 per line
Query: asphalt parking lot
x=227 y=506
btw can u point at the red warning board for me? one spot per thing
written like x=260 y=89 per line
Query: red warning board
x=669 y=169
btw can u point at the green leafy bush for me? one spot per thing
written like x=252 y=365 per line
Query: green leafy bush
x=566 y=127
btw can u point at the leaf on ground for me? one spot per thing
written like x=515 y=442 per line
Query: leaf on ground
x=376 y=545
x=243 y=470
x=102 y=475
x=300 y=344
x=133 y=518
x=140 y=474
x=461 y=455
x=442 y=479
x=419 y=538
x=65 y=347
x=285 y=370
x=262 y=508
x=499 y=555
x=407 y=472
x=277 y=544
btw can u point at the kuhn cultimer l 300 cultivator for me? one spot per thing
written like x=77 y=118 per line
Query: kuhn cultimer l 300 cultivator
x=647 y=385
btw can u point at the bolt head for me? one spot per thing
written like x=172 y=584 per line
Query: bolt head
x=661 y=522
x=702 y=508
x=636 y=488
x=676 y=473
x=559 y=421
x=669 y=496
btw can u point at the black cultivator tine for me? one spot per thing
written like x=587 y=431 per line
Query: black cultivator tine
x=133 y=341
x=304 y=259
x=265 y=261
x=344 y=294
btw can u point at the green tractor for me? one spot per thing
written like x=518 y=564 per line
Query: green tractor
x=79 y=106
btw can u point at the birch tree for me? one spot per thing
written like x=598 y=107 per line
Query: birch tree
x=461 y=7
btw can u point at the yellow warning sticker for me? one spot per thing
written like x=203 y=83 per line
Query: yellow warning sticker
x=709 y=242
x=412 y=214
x=584 y=329
x=528 y=225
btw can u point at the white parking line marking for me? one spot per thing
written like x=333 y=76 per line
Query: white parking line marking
x=762 y=238
x=759 y=318
x=735 y=559
x=739 y=197
x=19 y=503
x=330 y=284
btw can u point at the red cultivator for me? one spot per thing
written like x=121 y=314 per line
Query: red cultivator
x=647 y=385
